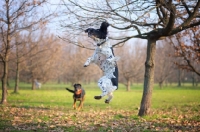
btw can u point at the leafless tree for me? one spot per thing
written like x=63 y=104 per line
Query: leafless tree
x=187 y=48
x=19 y=53
x=164 y=61
x=44 y=53
x=146 y=19
x=12 y=14
x=132 y=58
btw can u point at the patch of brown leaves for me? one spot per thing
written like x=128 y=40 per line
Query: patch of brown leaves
x=42 y=119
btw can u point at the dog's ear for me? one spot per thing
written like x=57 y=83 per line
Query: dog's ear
x=86 y=31
x=104 y=25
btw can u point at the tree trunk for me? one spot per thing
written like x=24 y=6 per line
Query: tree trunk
x=148 y=78
x=128 y=85
x=17 y=79
x=4 y=81
x=160 y=84
x=17 y=72
x=33 y=84
x=193 y=79
x=5 y=61
x=179 y=78
x=8 y=83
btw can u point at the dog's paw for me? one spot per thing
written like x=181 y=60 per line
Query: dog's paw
x=85 y=66
x=97 y=97
x=67 y=88
x=107 y=101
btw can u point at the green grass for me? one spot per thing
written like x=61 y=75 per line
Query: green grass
x=59 y=97
x=55 y=95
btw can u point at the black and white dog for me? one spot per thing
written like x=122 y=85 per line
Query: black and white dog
x=105 y=59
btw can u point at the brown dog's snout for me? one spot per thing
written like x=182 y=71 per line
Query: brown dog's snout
x=78 y=91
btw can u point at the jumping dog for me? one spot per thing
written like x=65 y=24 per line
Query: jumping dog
x=105 y=59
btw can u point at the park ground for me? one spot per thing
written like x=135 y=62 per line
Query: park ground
x=50 y=109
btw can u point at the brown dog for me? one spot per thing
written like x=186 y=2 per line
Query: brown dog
x=79 y=95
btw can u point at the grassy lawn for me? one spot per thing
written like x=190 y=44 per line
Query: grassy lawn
x=50 y=109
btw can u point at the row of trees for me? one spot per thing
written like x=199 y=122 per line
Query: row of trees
x=166 y=70
x=16 y=17
x=47 y=58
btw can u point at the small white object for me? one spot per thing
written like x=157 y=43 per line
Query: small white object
x=37 y=84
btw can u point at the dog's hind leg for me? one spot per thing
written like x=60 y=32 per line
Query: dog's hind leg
x=110 y=96
x=104 y=84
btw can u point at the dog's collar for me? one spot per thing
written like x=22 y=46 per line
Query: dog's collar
x=99 y=44
x=102 y=42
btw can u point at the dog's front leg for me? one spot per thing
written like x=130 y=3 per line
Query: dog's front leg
x=87 y=63
x=80 y=105
x=74 y=105
x=110 y=96
x=93 y=58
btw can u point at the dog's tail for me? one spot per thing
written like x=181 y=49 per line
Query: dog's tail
x=72 y=91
